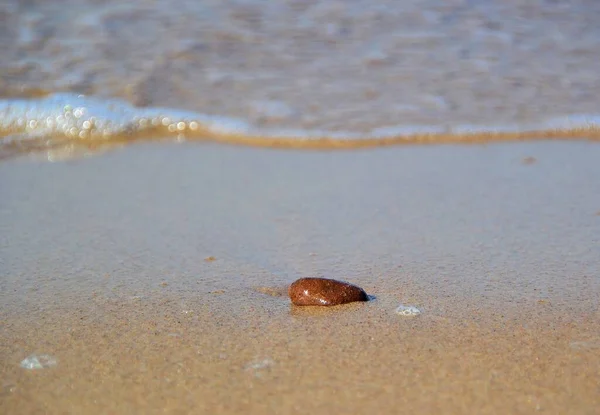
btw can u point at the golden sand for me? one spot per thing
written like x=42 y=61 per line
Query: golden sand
x=103 y=268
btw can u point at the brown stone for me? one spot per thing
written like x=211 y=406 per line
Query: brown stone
x=324 y=292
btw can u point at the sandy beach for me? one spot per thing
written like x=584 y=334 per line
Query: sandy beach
x=152 y=278
x=106 y=268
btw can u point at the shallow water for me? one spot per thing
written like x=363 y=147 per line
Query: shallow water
x=294 y=73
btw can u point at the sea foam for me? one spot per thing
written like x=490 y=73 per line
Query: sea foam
x=70 y=123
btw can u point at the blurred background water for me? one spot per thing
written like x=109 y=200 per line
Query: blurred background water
x=358 y=67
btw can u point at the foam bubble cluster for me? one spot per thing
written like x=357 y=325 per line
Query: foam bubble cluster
x=65 y=121
x=407 y=310
x=81 y=117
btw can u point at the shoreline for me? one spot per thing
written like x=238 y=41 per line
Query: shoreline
x=67 y=126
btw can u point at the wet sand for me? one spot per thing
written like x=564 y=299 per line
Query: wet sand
x=103 y=267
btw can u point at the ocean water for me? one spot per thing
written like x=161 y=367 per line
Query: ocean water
x=80 y=77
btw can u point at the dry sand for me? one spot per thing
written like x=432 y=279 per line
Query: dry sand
x=103 y=267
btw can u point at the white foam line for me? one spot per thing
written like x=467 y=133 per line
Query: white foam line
x=79 y=117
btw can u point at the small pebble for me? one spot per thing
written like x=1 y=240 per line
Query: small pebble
x=528 y=160
x=324 y=292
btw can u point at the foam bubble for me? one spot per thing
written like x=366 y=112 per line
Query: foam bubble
x=36 y=362
x=407 y=310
